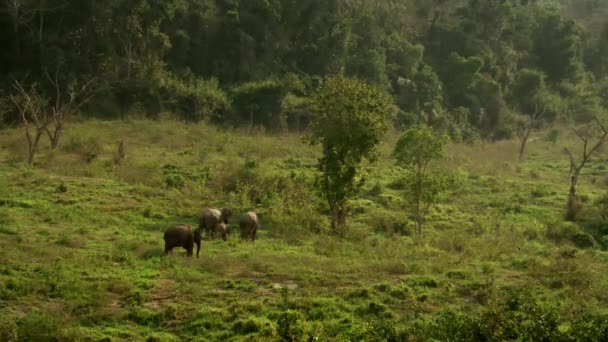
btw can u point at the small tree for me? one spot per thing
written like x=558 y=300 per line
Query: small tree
x=32 y=115
x=415 y=150
x=593 y=135
x=349 y=120
x=530 y=98
x=66 y=101
x=524 y=127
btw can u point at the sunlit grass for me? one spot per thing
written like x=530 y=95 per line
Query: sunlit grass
x=81 y=238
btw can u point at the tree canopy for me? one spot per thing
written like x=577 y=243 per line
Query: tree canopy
x=454 y=65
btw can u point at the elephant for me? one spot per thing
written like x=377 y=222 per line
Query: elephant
x=182 y=235
x=211 y=217
x=222 y=229
x=249 y=225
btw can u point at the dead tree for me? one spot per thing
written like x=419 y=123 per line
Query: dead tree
x=525 y=128
x=32 y=116
x=593 y=136
x=65 y=103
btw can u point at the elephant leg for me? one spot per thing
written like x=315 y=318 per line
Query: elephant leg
x=253 y=233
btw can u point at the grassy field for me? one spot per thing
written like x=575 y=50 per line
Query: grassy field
x=81 y=244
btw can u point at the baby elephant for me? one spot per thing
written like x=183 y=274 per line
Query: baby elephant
x=223 y=230
x=210 y=219
x=249 y=225
x=182 y=235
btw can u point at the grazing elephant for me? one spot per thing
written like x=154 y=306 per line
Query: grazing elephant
x=249 y=225
x=182 y=235
x=211 y=217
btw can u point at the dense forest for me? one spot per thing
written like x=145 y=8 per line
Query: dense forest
x=475 y=68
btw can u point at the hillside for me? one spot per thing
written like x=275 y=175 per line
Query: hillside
x=81 y=243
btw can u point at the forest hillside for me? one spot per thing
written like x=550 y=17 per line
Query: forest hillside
x=420 y=170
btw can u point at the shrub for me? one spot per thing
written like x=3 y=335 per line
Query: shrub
x=552 y=136
x=176 y=177
x=259 y=103
x=8 y=328
x=521 y=316
x=453 y=326
x=604 y=242
x=589 y=328
x=296 y=111
x=83 y=143
x=583 y=240
x=253 y=325
x=40 y=327
x=195 y=100
x=561 y=231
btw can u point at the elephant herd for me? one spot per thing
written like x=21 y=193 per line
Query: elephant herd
x=213 y=222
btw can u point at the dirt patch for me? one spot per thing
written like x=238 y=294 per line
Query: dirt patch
x=163 y=293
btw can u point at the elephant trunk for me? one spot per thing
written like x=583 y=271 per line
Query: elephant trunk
x=197 y=240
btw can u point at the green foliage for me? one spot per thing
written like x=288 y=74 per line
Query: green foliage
x=527 y=90
x=553 y=136
x=418 y=147
x=259 y=103
x=89 y=261
x=36 y=326
x=414 y=151
x=422 y=95
x=196 y=100
x=349 y=120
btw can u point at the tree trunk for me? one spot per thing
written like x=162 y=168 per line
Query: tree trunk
x=338 y=219
x=55 y=137
x=523 y=140
x=419 y=222
x=572 y=206
x=522 y=147
x=33 y=147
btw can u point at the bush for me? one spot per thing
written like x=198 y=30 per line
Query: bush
x=253 y=325
x=296 y=111
x=196 y=100
x=453 y=326
x=552 y=136
x=589 y=328
x=8 y=328
x=259 y=103
x=604 y=242
x=583 y=240
x=39 y=327
x=562 y=231
x=176 y=177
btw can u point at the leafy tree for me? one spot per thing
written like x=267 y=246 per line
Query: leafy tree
x=349 y=120
x=421 y=95
x=558 y=48
x=416 y=149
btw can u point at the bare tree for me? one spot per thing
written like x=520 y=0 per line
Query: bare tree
x=593 y=136
x=32 y=115
x=66 y=101
x=526 y=126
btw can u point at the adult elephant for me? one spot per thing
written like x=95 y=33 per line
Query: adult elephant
x=182 y=235
x=249 y=225
x=210 y=219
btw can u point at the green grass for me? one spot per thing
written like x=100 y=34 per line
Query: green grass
x=81 y=242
